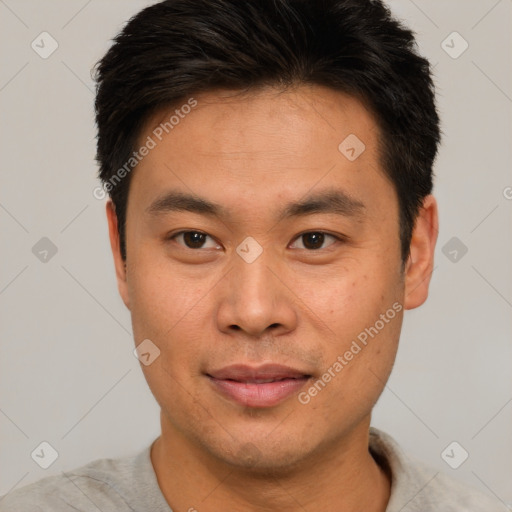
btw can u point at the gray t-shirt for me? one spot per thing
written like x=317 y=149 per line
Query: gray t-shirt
x=129 y=484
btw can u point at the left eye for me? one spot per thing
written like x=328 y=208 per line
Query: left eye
x=195 y=240
x=314 y=240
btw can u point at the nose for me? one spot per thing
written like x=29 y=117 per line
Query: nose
x=255 y=300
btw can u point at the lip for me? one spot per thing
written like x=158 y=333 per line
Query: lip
x=249 y=386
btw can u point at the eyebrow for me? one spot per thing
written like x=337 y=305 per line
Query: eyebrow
x=329 y=201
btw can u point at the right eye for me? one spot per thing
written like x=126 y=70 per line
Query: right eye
x=194 y=240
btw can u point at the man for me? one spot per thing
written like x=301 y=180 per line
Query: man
x=269 y=165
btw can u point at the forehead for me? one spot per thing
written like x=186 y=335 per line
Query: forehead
x=268 y=144
x=293 y=116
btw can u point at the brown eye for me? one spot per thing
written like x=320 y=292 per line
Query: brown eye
x=194 y=240
x=314 y=240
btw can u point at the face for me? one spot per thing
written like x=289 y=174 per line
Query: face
x=263 y=261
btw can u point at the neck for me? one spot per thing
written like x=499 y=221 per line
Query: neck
x=341 y=477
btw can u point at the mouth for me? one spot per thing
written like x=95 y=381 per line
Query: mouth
x=260 y=387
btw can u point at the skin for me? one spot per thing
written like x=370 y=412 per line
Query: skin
x=206 y=307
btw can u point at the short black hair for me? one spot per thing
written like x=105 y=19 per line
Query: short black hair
x=176 y=48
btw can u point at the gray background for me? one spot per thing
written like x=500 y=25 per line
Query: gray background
x=67 y=372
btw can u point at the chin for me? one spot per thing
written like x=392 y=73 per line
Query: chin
x=256 y=463
x=277 y=458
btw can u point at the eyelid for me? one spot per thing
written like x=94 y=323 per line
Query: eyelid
x=173 y=236
x=337 y=238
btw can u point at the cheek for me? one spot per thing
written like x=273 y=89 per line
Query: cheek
x=361 y=313
x=161 y=297
x=175 y=312
x=347 y=301
x=360 y=369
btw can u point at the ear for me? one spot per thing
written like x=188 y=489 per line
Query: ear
x=119 y=263
x=420 y=264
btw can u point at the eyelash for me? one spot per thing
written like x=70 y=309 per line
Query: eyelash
x=337 y=238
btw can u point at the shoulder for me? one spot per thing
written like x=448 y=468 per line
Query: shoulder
x=100 y=484
x=417 y=487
